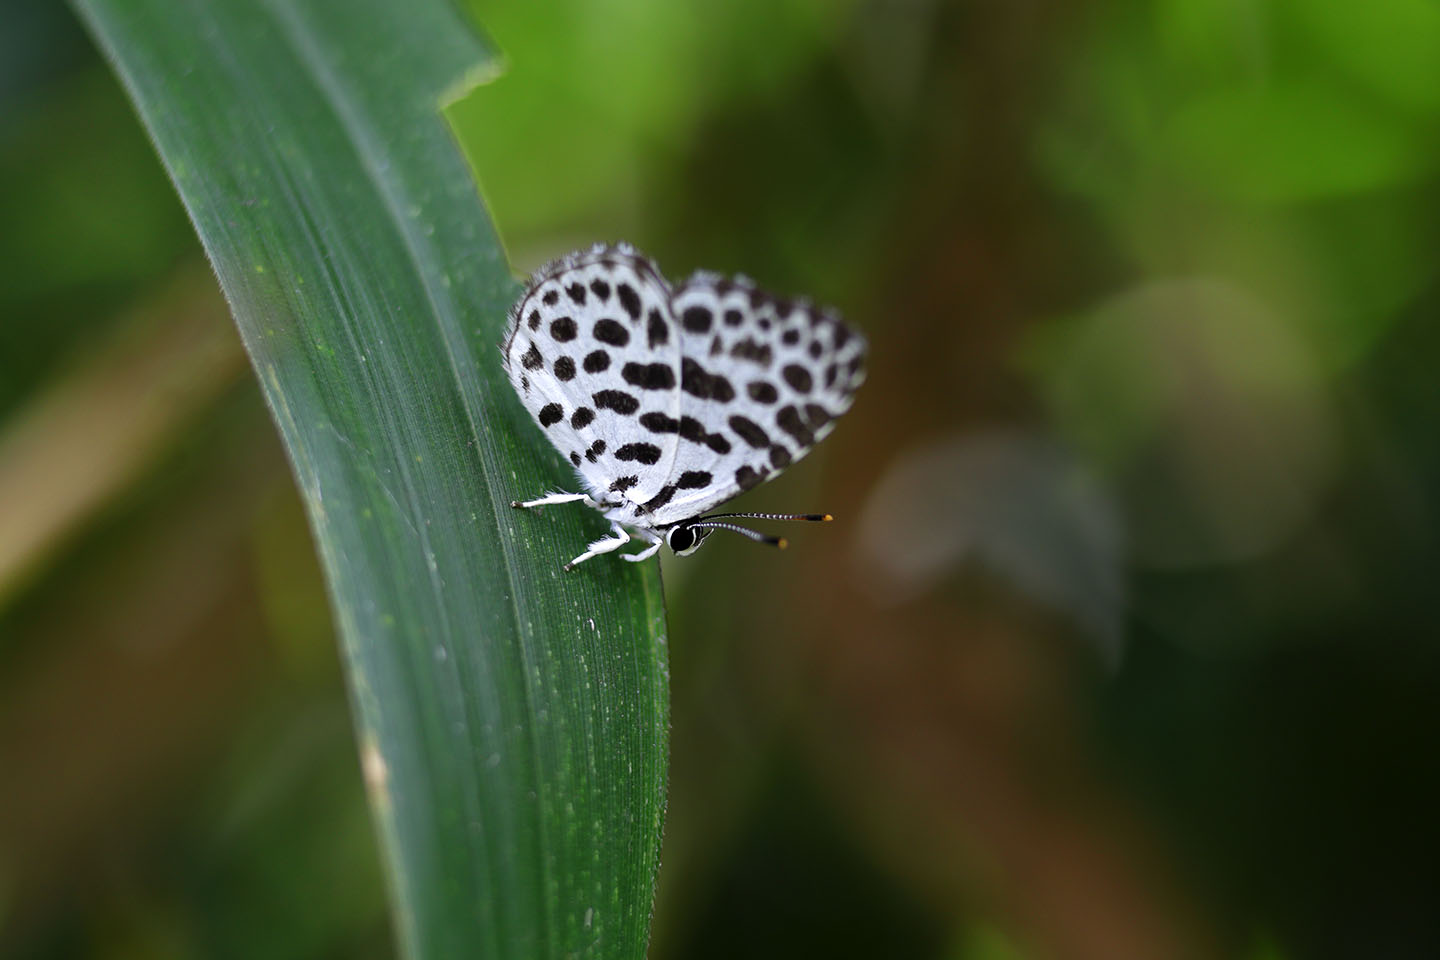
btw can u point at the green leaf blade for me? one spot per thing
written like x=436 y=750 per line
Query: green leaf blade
x=512 y=719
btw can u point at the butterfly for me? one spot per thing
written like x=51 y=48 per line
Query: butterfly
x=669 y=401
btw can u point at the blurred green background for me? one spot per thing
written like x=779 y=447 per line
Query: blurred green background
x=1125 y=643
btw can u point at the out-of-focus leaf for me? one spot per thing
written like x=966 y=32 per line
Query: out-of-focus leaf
x=512 y=721
x=1203 y=407
x=1292 y=143
x=1390 y=46
x=618 y=85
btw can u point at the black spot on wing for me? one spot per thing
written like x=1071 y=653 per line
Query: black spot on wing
x=817 y=415
x=622 y=484
x=551 y=414
x=750 y=431
x=830 y=373
x=762 y=392
x=779 y=457
x=629 y=299
x=575 y=458
x=789 y=420
x=657 y=330
x=696 y=319
x=596 y=448
x=550 y=297
x=665 y=495
x=657 y=422
x=854 y=367
x=693 y=480
x=617 y=400
x=534 y=320
x=596 y=361
x=582 y=418
x=611 y=332
x=748 y=478
x=694 y=431
x=749 y=349
x=790 y=337
x=532 y=359
x=695 y=381
x=563 y=329
x=646 y=453
x=733 y=318
x=577 y=293
x=649 y=376
x=600 y=288
x=816 y=349
x=564 y=369
x=798 y=377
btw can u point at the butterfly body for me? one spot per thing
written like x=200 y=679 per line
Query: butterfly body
x=669 y=401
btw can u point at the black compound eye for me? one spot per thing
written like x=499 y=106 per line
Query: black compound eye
x=681 y=539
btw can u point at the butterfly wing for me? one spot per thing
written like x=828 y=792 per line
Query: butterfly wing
x=592 y=353
x=762 y=380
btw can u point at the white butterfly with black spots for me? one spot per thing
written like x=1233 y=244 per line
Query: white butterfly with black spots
x=669 y=401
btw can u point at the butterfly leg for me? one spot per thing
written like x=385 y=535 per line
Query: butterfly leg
x=552 y=498
x=650 y=537
x=645 y=554
x=603 y=545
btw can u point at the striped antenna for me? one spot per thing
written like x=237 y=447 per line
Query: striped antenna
x=744 y=532
x=811 y=517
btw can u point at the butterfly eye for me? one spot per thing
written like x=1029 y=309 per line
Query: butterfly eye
x=682 y=540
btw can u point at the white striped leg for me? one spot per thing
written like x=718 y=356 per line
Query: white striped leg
x=552 y=498
x=645 y=554
x=604 y=545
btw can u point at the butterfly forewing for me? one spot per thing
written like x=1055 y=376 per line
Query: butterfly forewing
x=593 y=355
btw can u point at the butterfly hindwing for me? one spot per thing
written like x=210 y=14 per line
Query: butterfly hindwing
x=762 y=380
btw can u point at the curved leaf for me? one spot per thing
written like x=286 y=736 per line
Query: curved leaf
x=512 y=720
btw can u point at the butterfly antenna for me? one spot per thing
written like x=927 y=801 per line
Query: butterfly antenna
x=744 y=532
x=811 y=517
